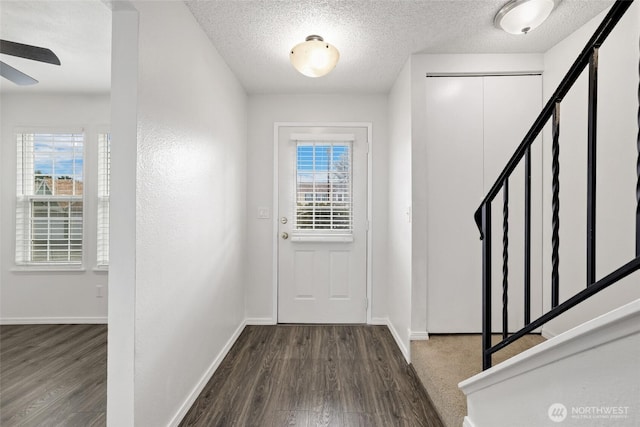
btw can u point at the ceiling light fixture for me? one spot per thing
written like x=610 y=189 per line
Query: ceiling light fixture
x=522 y=16
x=314 y=57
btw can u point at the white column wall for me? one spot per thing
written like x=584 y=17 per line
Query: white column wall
x=616 y=169
x=30 y=296
x=122 y=215
x=399 y=241
x=190 y=241
x=264 y=111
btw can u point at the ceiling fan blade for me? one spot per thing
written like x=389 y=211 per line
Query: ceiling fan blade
x=18 y=77
x=26 y=51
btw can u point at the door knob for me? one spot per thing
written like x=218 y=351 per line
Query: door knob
x=285 y=235
x=283 y=220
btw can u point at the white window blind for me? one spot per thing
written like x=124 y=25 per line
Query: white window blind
x=49 y=193
x=324 y=187
x=104 y=182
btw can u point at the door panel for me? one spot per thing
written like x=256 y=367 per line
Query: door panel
x=322 y=247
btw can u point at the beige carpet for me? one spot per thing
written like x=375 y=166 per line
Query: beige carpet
x=444 y=360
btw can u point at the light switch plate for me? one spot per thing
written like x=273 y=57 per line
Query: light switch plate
x=263 y=213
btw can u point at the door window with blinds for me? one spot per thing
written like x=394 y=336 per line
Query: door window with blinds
x=50 y=188
x=323 y=186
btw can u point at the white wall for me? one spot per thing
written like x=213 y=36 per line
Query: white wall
x=264 y=111
x=51 y=296
x=399 y=240
x=616 y=173
x=446 y=65
x=190 y=219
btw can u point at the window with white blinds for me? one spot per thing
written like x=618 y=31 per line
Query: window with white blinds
x=104 y=182
x=324 y=187
x=49 y=208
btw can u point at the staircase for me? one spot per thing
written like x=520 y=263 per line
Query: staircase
x=443 y=361
x=589 y=375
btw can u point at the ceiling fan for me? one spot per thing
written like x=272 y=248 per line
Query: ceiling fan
x=26 y=51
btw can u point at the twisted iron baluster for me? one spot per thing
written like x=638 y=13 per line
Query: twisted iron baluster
x=505 y=260
x=555 y=206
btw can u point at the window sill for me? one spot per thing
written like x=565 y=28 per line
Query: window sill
x=48 y=269
x=101 y=269
x=322 y=238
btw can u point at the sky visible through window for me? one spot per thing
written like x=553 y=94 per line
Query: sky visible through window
x=58 y=155
x=319 y=158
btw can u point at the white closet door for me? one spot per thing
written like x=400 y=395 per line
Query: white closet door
x=454 y=184
x=474 y=125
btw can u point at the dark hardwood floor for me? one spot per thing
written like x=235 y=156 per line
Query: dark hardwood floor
x=53 y=375
x=285 y=375
x=299 y=375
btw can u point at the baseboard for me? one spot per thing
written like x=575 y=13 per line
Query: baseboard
x=396 y=337
x=547 y=334
x=379 y=321
x=384 y=321
x=418 y=335
x=52 y=320
x=260 y=321
x=467 y=422
x=206 y=377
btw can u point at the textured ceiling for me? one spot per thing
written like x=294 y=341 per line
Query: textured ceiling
x=374 y=37
x=78 y=32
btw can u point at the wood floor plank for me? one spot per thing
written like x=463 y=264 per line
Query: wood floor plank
x=360 y=419
x=84 y=419
x=313 y=375
x=53 y=375
x=290 y=419
x=326 y=419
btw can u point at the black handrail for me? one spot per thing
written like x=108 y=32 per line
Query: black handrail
x=601 y=34
x=588 y=57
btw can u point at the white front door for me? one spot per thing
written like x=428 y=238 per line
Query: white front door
x=322 y=215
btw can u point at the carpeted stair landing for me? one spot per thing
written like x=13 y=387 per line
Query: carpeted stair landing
x=444 y=360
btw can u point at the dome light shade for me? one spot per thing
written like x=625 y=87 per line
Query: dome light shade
x=522 y=16
x=314 y=57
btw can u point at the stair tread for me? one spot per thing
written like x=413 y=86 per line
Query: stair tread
x=444 y=360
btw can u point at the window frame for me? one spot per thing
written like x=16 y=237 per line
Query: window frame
x=26 y=197
x=103 y=195
x=313 y=234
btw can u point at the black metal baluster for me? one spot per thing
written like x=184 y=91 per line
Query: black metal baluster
x=591 y=167
x=555 y=206
x=527 y=237
x=638 y=174
x=486 y=286
x=505 y=261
